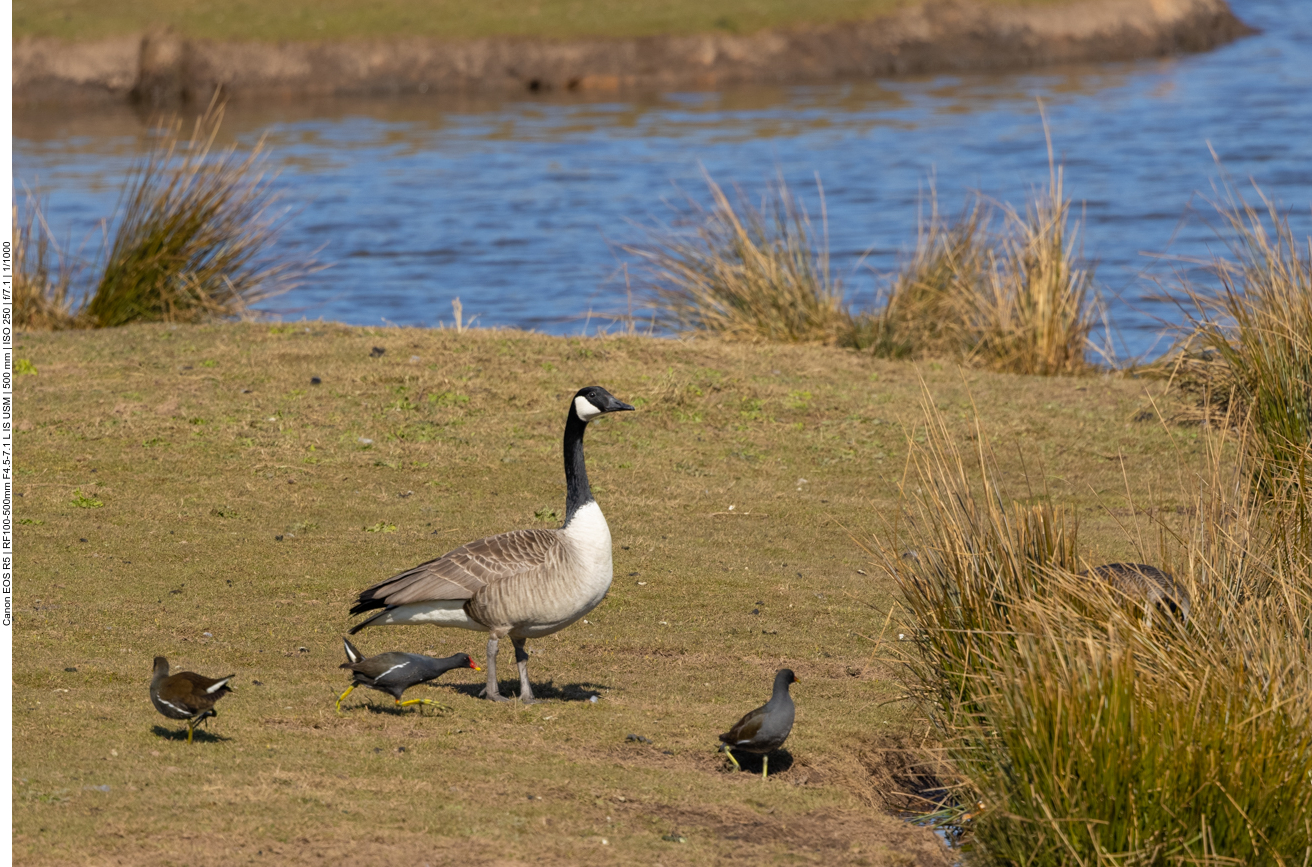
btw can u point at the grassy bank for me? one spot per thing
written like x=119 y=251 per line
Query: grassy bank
x=442 y=19
x=182 y=454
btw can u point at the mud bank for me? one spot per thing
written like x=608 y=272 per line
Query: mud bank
x=938 y=36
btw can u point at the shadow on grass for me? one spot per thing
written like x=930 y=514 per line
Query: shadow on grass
x=200 y=736
x=542 y=691
x=780 y=761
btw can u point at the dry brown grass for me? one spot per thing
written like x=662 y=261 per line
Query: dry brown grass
x=746 y=272
x=1255 y=333
x=206 y=443
x=42 y=275
x=1058 y=705
x=1035 y=310
x=927 y=309
x=196 y=233
x=1016 y=299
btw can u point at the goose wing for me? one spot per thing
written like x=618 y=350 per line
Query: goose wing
x=462 y=572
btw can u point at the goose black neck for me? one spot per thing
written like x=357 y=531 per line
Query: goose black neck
x=577 y=491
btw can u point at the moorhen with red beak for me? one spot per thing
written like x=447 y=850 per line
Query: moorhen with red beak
x=765 y=729
x=186 y=695
x=394 y=673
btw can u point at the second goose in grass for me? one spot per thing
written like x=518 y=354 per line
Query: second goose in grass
x=522 y=584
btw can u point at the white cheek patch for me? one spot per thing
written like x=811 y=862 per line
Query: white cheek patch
x=585 y=409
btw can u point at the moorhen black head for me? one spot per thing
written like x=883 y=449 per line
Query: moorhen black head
x=394 y=673
x=765 y=729
x=186 y=695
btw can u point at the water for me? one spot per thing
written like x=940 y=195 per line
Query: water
x=518 y=206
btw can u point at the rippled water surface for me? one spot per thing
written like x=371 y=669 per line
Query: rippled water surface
x=518 y=206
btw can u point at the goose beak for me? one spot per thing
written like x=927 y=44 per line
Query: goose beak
x=617 y=405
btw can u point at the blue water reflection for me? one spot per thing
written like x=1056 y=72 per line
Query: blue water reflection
x=517 y=205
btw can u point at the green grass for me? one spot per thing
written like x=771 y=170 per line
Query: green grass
x=443 y=19
x=201 y=469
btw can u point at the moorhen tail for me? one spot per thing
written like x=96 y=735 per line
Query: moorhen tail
x=186 y=695
x=394 y=673
x=765 y=729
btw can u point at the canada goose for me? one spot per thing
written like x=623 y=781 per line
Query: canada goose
x=765 y=729
x=394 y=673
x=1146 y=585
x=523 y=584
x=186 y=695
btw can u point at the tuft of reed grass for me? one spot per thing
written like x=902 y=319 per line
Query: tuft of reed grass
x=1081 y=735
x=43 y=276
x=1035 y=309
x=1256 y=333
x=927 y=310
x=1017 y=300
x=196 y=233
x=746 y=272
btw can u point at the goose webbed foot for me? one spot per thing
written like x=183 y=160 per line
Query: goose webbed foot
x=492 y=695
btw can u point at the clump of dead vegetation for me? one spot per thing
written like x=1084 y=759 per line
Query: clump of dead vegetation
x=996 y=287
x=1080 y=731
x=194 y=238
x=746 y=271
x=1249 y=354
x=42 y=274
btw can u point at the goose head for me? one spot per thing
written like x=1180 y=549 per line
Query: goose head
x=593 y=401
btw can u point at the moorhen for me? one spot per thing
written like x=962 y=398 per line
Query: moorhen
x=765 y=729
x=1145 y=585
x=186 y=695
x=394 y=673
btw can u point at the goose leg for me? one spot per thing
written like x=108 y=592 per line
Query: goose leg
x=342 y=696
x=521 y=658
x=491 y=691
